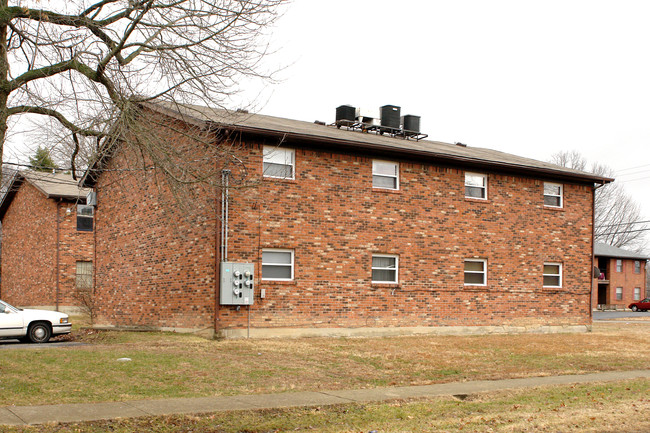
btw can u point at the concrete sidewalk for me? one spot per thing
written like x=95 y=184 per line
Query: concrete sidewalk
x=25 y=415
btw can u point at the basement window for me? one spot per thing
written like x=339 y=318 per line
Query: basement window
x=552 y=275
x=384 y=268
x=277 y=265
x=476 y=185
x=385 y=174
x=85 y=216
x=279 y=162
x=552 y=194
x=475 y=272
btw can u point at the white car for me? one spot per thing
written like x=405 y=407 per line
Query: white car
x=36 y=326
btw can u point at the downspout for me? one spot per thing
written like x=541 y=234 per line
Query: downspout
x=95 y=267
x=217 y=260
x=225 y=192
x=221 y=246
x=58 y=248
x=593 y=251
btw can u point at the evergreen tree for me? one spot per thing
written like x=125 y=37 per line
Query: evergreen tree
x=42 y=161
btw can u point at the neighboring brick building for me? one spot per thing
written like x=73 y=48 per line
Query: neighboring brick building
x=622 y=277
x=47 y=248
x=349 y=233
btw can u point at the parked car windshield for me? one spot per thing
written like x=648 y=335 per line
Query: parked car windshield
x=10 y=307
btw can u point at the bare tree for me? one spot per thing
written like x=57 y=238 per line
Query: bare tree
x=85 y=67
x=617 y=215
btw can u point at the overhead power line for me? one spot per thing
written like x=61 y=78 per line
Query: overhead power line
x=625 y=223
x=633 y=168
x=622 y=232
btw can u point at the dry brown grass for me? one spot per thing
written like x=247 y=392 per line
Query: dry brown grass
x=172 y=365
x=611 y=407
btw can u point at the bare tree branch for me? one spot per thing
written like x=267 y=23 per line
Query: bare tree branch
x=87 y=64
x=618 y=220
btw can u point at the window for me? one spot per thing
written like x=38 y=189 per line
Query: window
x=619 y=265
x=552 y=275
x=637 y=293
x=619 y=293
x=385 y=174
x=85 y=215
x=476 y=185
x=277 y=265
x=552 y=194
x=384 y=268
x=279 y=162
x=637 y=267
x=84 y=276
x=475 y=272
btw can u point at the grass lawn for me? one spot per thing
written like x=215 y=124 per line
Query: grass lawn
x=180 y=365
x=611 y=407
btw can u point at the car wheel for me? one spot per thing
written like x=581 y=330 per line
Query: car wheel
x=634 y=308
x=39 y=333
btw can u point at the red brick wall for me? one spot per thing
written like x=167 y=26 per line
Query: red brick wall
x=156 y=268
x=627 y=280
x=155 y=255
x=334 y=220
x=29 y=253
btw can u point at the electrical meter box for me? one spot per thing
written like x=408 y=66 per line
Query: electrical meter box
x=236 y=283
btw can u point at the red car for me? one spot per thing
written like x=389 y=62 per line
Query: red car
x=643 y=305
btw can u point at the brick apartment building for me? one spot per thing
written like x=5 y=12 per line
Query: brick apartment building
x=47 y=241
x=622 y=277
x=344 y=233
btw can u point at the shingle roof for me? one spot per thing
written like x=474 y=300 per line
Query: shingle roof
x=57 y=185
x=604 y=250
x=52 y=185
x=296 y=130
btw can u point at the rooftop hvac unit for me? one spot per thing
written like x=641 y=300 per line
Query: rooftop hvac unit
x=411 y=123
x=346 y=113
x=390 y=116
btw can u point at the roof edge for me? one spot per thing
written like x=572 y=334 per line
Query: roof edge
x=578 y=177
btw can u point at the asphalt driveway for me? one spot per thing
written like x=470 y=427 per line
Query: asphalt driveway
x=15 y=344
x=609 y=315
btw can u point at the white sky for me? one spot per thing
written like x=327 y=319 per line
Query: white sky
x=525 y=77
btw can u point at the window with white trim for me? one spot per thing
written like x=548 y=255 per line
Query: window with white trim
x=279 y=162
x=637 y=293
x=385 y=268
x=637 y=267
x=552 y=275
x=475 y=271
x=385 y=174
x=277 y=265
x=553 y=194
x=476 y=185
x=619 y=293
x=619 y=265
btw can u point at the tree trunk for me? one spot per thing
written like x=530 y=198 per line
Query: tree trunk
x=4 y=72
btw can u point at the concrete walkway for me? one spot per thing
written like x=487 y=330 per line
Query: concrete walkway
x=26 y=415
